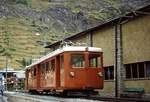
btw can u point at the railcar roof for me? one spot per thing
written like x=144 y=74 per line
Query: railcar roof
x=65 y=49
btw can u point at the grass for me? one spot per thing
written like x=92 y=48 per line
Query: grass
x=23 y=39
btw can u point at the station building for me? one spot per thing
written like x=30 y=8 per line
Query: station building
x=15 y=79
x=135 y=29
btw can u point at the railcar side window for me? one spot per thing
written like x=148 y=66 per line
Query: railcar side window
x=47 y=66
x=29 y=73
x=50 y=66
x=35 y=71
x=43 y=68
x=53 y=65
x=61 y=62
x=77 y=60
x=32 y=72
x=94 y=60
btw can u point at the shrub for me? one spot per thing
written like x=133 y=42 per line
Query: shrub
x=24 y=2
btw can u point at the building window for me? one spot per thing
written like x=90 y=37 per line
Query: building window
x=106 y=73
x=148 y=69
x=109 y=73
x=141 y=70
x=128 y=71
x=133 y=71
x=137 y=70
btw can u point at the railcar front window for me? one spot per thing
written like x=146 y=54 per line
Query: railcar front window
x=77 y=61
x=94 y=60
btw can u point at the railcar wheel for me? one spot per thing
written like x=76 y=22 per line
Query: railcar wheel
x=90 y=92
x=33 y=92
x=64 y=93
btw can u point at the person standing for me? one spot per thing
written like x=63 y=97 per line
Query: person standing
x=1 y=84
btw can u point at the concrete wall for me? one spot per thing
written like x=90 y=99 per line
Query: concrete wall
x=143 y=83
x=136 y=40
x=139 y=83
x=103 y=38
x=81 y=39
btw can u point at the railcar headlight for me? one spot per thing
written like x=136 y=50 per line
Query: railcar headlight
x=72 y=74
x=100 y=74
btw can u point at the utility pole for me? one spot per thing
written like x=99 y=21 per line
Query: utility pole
x=118 y=64
x=90 y=39
x=7 y=63
x=45 y=43
x=6 y=72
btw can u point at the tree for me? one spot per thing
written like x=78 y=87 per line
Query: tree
x=6 y=49
x=24 y=62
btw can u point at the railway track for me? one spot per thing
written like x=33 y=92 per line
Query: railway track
x=113 y=99
x=57 y=98
x=24 y=97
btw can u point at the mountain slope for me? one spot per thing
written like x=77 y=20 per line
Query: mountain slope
x=53 y=20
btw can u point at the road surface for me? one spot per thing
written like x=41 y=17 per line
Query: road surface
x=3 y=99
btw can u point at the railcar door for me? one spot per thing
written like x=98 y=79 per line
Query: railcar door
x=76 y=70
x=27 y=76
x=94 y=71
x=38 y=76
x=61 y=70
x=58 y=71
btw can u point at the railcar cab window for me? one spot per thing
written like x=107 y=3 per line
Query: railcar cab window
x=77 y=61
x=52 y=65
x=94 y=60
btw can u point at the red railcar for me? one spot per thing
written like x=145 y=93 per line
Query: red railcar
x=68 y=69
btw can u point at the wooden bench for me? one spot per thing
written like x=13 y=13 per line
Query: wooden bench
x=133 y=92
